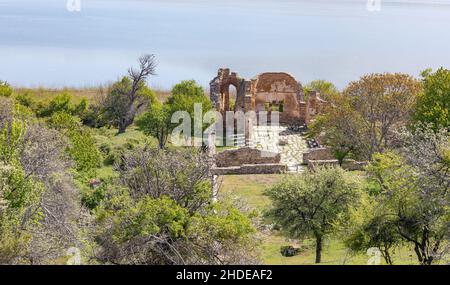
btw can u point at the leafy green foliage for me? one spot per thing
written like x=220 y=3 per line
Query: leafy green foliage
x=19 y=195
x=124 y=101
x=326 y=89
x=5 y=89
x=61 y=104
x=164 y=213
x=82 y=146
x=309 y=205
x=92 y=198
x=407 y=210
x=187 y=93
x=433 y=104
x=363 y=120
x=26 y=99
x=157 y=120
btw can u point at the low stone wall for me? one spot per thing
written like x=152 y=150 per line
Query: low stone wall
x=317 y=154
x=354 y=165
x=348 y=164
x=246 y=155
x=270 y=168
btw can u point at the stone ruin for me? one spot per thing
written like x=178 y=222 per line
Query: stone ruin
x=270 y=91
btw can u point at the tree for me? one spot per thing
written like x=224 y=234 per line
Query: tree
x=19 y=211
x=433 y=103
x=5 y=89
x=412 y=200
x=371 y=225
x=19 y=195
x=40 y=217
x=127 y=97
x=368 y=113
x=326 y=89
x=310 y=204
x=163 y=214
x=185 y=95
x=339 y=129
x=157 y=120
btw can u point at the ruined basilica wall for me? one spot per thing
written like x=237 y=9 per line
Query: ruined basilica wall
x=267 y=88
x=279 y=87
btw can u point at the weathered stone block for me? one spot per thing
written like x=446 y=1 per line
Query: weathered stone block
x=246 y=155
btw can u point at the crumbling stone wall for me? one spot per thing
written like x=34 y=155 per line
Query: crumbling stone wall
x=270 y=91
x=246 y=155
x=269 y=168
x=278 y=91
x=220 y=94
x=348 y=164
x=317 y=154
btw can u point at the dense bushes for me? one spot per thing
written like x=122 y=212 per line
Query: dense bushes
x=161 y=213
x=82 y=147
x=5 y=89
x=433 y=104
x=38 y=215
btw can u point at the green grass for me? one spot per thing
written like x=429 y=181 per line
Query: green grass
x=91 y=94
x=109 y=136
x=44 y=95
x=250 y=189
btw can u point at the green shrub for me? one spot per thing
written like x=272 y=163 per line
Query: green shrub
x=105 y=148
x=111 y=159
x=60 y=103
x=82 y=149
x=81 y=109
x=130 y=144
x=5 y=89
x=91 y=198
x=26 y=99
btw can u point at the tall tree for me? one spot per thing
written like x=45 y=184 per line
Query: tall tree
x=368 y=113
x=127 y=97
x=157 y=120
x=310 y=204
x=414 y=192
x=38 y=209
x=433 y=104
x=326 y=89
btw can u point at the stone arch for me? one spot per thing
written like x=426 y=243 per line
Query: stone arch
x=220 y=90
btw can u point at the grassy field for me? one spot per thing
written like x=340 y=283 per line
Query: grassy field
x=91 y=94
x=250 y=188
x=109 y=136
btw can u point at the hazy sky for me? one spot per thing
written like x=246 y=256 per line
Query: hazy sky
x=43 y=43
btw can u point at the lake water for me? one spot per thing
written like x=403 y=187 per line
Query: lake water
x=44 y=43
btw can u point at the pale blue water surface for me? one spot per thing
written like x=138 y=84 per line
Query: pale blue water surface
x=42 y=43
